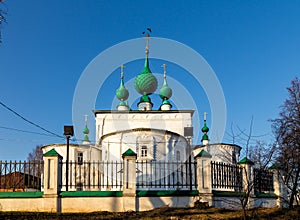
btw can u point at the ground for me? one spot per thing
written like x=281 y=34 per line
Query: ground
x=166 y=213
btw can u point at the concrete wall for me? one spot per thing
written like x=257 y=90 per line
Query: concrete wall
x=265 y=202
x=28 y=204
x=119 y=204
x=92 y=204
x=148 y=203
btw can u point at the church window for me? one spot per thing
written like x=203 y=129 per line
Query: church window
x=144 y=151
x=80 y=158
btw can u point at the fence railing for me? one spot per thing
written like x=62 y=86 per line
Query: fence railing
x=226 y=176
x=21 y=175
x=263 y=180
x=150 y=175
x=155 y=175
x=100 y=175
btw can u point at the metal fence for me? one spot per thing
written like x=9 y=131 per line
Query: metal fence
x=21 y=175
x=263 y=180
x=162 y=175
x=226 y=176
x=86 y=176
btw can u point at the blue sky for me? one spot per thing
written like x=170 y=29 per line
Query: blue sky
x=252 y=46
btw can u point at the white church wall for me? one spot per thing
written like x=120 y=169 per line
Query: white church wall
x=148 y=145
x=226 y=153
x=115 y=121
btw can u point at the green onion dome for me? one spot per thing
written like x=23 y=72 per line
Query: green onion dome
x=122 y=93
x=165 y=92
x=86 y=130
x=145 y=82
x=205 y=128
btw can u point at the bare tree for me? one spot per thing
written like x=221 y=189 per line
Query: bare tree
x=34 y=166
x=36 y=154
x=287 y=132
x=262 y=154
x=255 y=153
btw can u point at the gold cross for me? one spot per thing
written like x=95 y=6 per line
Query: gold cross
x=165 y=70
x=122 y=71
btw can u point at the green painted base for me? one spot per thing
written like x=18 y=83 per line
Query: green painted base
x=21 y=194
x=91 y=194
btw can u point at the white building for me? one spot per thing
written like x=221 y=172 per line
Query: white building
x=157 y=135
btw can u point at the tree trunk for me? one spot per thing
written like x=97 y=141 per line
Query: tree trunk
x=294 y=189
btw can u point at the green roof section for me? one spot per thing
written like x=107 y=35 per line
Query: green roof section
x=203 y=153
x=52 y=153
x=245 y=160
x=129 y=152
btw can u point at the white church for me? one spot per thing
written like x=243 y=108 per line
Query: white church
x=161 y=134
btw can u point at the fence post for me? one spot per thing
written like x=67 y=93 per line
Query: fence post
x=204 y=187
x=52 y=179
x=248 y=179
x=279 y=187
x=129 y=180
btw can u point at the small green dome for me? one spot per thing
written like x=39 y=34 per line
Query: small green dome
x=165 y=92
x=86 y=130
x=122 y=93
x=145 y=82
x=86 y=138
x=205 y=128
x=204 y=137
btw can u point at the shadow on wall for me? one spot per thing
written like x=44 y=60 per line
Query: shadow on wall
x=158 y=202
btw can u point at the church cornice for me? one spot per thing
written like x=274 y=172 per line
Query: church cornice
x=161 y=131
x=143 y=112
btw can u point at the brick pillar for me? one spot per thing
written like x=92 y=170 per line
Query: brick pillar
x=204 y=187
x=129 y=180
x=52 y=180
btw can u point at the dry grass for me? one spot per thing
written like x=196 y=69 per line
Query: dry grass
x=165 y=213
